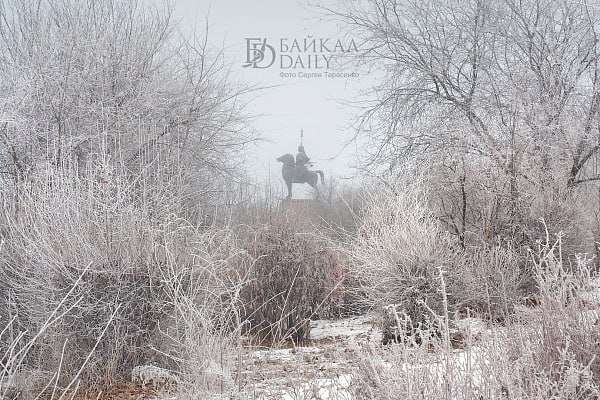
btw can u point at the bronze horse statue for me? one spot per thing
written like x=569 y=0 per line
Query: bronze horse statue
x=293 y=173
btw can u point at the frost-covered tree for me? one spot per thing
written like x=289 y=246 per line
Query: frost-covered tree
x=116 y=78
x=499 y=98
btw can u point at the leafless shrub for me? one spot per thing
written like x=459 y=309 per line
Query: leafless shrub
x=147 y=266
x=489 y=281
x=202 y=333
x=396 y=256
x=558 y=341
x=295 y=276
x=18 y=380
x=400 y=246
x=62 y=224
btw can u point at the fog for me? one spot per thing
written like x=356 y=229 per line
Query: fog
x=312 y=99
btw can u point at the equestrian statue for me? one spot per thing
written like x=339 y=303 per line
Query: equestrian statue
x=296 y=171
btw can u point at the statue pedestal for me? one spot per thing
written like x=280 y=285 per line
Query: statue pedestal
x=305 y=213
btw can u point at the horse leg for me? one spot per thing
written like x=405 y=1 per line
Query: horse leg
x=289 y=186
x=313 y=184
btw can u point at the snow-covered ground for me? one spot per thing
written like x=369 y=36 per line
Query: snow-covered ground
x=323 y=369
x=319 y=370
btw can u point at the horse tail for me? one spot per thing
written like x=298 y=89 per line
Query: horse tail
x=322 y=176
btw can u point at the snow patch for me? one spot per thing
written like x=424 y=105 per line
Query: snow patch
x=149 y=374
x=355 y=327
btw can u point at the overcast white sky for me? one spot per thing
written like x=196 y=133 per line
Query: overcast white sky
x=297 y=103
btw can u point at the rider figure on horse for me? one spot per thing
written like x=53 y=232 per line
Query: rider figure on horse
x=296 y=170
x=302 y=161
